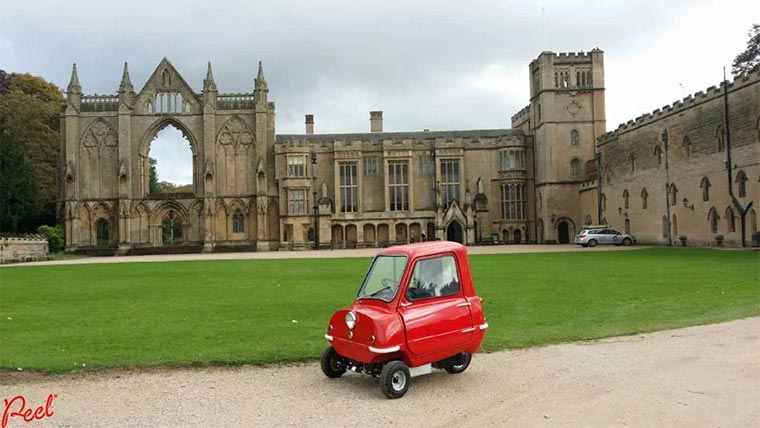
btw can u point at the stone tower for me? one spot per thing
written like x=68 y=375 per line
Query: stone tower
x=565 y=116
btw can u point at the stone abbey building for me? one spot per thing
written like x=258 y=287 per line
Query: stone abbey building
x=538 y=181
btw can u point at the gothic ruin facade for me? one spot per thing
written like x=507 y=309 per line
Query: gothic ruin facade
x=539 y=181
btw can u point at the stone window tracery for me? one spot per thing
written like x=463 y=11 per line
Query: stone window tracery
x=297 y=166
x=370 y=167
x=168 y=102
x=513 y=201
x=238 y=222
x=511 y=159
x=450 y=179
x=398 y=185
x=349 y=187
x=296 y=201
x=575 y=137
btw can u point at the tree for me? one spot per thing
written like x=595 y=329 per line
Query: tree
x=153 y=176
x=29 y=150
x=55 y=237
x=749 y=60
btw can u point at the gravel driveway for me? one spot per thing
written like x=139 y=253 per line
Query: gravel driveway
x=698 y=376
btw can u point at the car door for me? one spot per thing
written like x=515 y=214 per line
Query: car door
x=435 y=312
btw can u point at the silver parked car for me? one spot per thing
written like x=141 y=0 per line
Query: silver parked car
x=604 y=235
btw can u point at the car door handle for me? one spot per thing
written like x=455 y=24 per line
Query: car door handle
x=463 y=304
x=405 y=305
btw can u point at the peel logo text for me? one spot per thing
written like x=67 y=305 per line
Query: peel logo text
x=16 y=407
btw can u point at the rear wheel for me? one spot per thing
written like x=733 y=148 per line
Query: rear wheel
x=592 y=243
x=626 y=242
x=460 y=363
x=394 y=379
x=331 y=363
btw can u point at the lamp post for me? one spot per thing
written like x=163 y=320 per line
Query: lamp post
x=667 y=185
x=314 y=198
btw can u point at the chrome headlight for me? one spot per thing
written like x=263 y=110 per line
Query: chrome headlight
x=350 y=320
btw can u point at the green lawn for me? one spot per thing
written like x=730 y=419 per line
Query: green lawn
x=59 y=318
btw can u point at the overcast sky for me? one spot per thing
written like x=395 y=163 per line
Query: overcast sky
x=427 y=64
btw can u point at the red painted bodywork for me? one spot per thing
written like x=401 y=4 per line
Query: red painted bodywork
x=426 y=331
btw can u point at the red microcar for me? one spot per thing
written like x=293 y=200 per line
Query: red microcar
x=416 y=310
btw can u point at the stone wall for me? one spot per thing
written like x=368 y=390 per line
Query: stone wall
x=634 y=159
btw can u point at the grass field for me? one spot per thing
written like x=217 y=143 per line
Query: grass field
x=61 y=318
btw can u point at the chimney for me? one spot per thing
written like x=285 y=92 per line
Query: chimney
x=376 y=121
x=309 y=124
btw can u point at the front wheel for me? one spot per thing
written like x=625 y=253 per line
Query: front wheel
x=592 y=243
x=331 y=363
x=394 y=379
x=460 y=363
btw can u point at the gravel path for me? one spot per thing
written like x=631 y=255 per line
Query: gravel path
x=356 y=252
x=692 y=377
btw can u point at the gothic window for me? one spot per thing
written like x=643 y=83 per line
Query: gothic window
x=578 y=81
x=349 y=188
x=296 y=201
x=752 y=218
x=672 y=193
x=664 y=226
x=741 y=182
x=169 y=102
x=511 y=159
x=625 y=198
x=297 y=166
x=575 y=167
x=449 y=181
x=721 y=138
x=238 y=222
x=644 y=197
x=398 y=185
x=102 y=233
x=556 y=79
x=658 y=154
x=171 y=229
x=632 y=162
x=730 y=221
x=687 y=146
x=575 y=138
x=370 y=167
x=713 y=217
x=513 y=201
x=705 y=186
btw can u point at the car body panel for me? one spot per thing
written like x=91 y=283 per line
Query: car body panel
x=603 y=235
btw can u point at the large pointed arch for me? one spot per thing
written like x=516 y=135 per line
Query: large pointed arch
x=160 y=124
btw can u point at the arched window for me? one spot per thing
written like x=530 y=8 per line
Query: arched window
x=644 y=196
x=575 y=137
x=575 y=167
x=664 y=226
x=658 y=154
x=102 y=233
x=712 y=216
x=730 y=220
x=632 y=162
x=674 y=225
x=705 y=186
x=741 y=183
x=171 y=229
x=625 y=198
x=673 y=193
x=238 y=222
x=721 y=135
x=752 y=218
x=687 y=146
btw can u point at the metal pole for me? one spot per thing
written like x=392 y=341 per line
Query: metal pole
x=667 y=185
x=314 y=199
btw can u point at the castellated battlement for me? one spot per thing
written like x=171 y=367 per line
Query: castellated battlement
x=680 y=105
x=525 y=111
x=569 y=57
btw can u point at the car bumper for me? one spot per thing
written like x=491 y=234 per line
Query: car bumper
x=362 y=352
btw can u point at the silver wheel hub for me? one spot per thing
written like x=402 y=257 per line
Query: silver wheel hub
x=398 y=381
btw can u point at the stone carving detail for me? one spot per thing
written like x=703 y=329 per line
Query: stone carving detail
x=123 y=174
x=236 y=133
x=100 y=134
x=573 y=108
x=70 y=171
x=209 y=168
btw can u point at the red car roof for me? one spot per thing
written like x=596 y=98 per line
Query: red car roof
x=422 y=249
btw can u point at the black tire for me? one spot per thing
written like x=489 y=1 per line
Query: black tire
x=394 y=379
x=592 y=243
x=331 y=363
x=461 y=363
x=626 y=242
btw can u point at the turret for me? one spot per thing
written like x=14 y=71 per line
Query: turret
x=260 y=89
x=126 y=90
x=209 y=88
x=74 y=90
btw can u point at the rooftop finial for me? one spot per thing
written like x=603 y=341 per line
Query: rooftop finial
x=261 y=82
x=126 y=82
x=74 y=86
x=208 y=83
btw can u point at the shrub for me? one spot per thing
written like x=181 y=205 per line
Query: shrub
x=55 y=237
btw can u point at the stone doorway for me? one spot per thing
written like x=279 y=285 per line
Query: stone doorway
x=563 y=232
x=454 y=232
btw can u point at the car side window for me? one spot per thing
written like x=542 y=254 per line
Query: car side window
x=436 y=277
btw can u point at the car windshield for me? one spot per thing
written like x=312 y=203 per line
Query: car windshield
x=383 y=278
